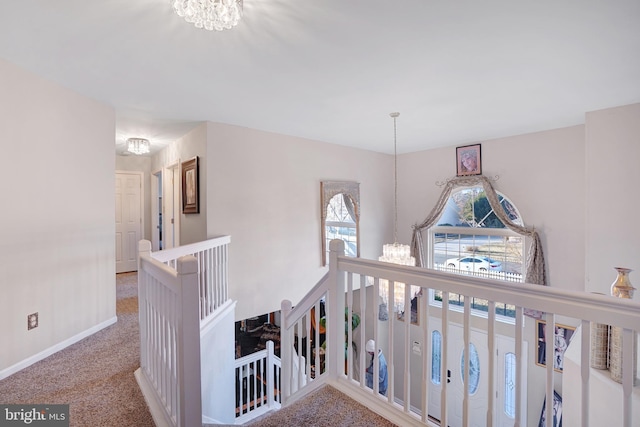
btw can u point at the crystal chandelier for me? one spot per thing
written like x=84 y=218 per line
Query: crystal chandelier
x=395 y=252
x=210 y=14
x=138 y=145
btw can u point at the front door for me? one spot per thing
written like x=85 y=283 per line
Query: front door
x=128 y=220
x=504 y=377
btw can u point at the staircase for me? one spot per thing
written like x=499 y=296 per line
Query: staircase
x=188 y=372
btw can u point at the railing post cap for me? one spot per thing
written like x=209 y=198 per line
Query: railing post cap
x=187 y=264
x=144 y=246
x=336 y=245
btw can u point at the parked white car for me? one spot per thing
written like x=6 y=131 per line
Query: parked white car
x=474 y=263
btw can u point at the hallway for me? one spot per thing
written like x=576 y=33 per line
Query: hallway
x=95 y=375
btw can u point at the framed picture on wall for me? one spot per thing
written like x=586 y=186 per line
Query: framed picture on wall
x=468 y=160
x=560 y=341
x=190 y=192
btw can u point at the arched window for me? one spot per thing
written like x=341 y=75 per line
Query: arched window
x=340 y=216
x=475 y=230
x=470 y=239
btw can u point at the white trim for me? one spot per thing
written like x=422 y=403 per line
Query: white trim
x=155 y=209
x=156 y=408
x=55 y=348
x=221 y=312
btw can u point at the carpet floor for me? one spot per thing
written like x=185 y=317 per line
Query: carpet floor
x=325 y=407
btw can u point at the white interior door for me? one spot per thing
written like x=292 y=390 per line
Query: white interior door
x=128 y=219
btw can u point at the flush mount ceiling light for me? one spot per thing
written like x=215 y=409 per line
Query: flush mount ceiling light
x=210 y=14
x=138 y=145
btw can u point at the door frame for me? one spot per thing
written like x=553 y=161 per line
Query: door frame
x=156 y=209
x=142 y=213
x=171 y=208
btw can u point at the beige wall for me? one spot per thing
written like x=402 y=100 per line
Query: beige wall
x=193 y=227
x=264 y=191
x=57 y=252
x=612 y=181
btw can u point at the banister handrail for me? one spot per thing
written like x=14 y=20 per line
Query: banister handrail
x=307 y=302
x=542 y=298
x=166 y=255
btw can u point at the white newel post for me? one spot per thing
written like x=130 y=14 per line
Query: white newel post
x=286 y=349
x=189 y=344
x=144 y=250
x=335 y=312
x=270 y=374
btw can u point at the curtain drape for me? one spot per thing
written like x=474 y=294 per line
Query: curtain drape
x=535 y=266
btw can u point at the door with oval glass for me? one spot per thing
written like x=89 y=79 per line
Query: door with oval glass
x=504 y=377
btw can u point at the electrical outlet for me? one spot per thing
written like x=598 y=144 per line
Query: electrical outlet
x=32 y=321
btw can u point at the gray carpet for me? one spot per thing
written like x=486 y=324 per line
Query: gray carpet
x=95 y=375
x=326 y=407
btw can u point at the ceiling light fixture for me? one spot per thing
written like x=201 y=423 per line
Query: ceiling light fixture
x=395 y=252
x=138 y=145
x=210 y=14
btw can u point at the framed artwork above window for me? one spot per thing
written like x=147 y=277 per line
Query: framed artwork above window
x=468 y=160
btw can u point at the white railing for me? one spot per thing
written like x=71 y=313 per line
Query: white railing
x=169 y=374
x=171 y=284
x=213 y=270
x=257 y=384
x=303 y=334
x=408 y=404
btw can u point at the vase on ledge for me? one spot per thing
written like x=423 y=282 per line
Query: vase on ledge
x=621 y=288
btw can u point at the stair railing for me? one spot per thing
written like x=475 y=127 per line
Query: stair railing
x=257 y=384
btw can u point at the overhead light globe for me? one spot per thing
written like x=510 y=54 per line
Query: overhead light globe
x=210 y=14
x=138 y=145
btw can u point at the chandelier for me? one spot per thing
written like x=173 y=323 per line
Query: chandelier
x=395 y=252
x=210 y=14
x=138 y=145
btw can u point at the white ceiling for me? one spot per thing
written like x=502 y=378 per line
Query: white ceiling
x=458 y=71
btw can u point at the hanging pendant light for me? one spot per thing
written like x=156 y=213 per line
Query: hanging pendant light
x=395 y=252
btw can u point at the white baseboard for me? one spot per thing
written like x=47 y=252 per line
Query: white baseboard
x=54 y=349
x=158 y=413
